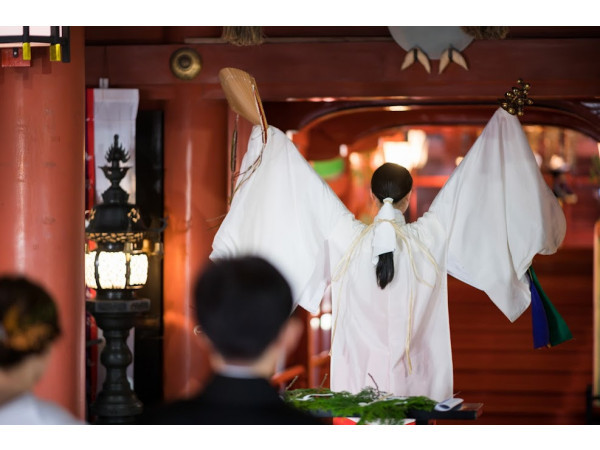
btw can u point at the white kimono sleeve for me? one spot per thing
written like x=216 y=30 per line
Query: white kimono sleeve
x=284 y=213
x=498 y=212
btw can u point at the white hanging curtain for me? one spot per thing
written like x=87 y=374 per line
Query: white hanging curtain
x=114 y=112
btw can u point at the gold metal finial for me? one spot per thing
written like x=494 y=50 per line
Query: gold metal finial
x=515 y=100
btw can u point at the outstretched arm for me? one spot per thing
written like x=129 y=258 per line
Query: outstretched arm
x=498 y=213
x=282 y=210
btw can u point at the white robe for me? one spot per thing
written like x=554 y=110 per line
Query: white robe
x=27 y=409
x=484 y=227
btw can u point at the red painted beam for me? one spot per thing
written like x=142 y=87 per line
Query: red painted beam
x=324 y=135
x=558 y=68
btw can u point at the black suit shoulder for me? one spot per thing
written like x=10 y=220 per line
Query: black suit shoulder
x=231 y=401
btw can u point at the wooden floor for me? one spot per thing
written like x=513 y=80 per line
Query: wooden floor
x=495 y=362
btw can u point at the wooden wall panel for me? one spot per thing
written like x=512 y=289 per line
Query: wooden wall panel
x=494 y=360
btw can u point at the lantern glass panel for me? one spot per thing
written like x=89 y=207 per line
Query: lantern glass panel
x=90 y=270
x=112 y=270
x=138 y=269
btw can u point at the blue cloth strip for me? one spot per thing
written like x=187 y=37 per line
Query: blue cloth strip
x=539 y=321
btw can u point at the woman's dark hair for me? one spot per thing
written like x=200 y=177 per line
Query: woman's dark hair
x=393 y=181
x=241 y=305
x=28 y=320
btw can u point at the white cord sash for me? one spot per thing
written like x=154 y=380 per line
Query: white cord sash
x=401 y=240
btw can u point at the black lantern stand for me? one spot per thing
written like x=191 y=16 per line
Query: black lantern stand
x=116 y=226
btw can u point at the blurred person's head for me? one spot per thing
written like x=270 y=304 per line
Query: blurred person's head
x=28 y=328
x=243 y=306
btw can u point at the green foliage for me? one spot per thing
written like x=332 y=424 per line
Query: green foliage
x=369 y=404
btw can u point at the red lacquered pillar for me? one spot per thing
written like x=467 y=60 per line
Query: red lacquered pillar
x=42 y=200
x=195 y=184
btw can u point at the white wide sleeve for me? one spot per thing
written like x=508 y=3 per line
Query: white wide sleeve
x=284 y=213
x=498 y=212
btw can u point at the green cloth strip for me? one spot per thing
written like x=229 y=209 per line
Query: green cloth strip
x=557 y=327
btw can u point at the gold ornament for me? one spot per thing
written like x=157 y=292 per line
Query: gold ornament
x=515 y=100
x=186 y=64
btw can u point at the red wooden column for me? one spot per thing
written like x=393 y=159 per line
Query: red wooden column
x=42 y=200
x=195 y=184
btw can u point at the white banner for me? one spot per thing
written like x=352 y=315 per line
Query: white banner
x=115 y=112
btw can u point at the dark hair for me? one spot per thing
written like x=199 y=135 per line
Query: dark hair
x=28 y=320
x=393 y=181
x=241 y=305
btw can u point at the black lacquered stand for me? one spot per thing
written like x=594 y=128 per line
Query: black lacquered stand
x=466 y=411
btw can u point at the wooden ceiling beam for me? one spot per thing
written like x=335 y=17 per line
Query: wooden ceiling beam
x=556 y=69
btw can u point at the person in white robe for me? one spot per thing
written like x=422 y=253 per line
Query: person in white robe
x=28 y=328
x=494 y=214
